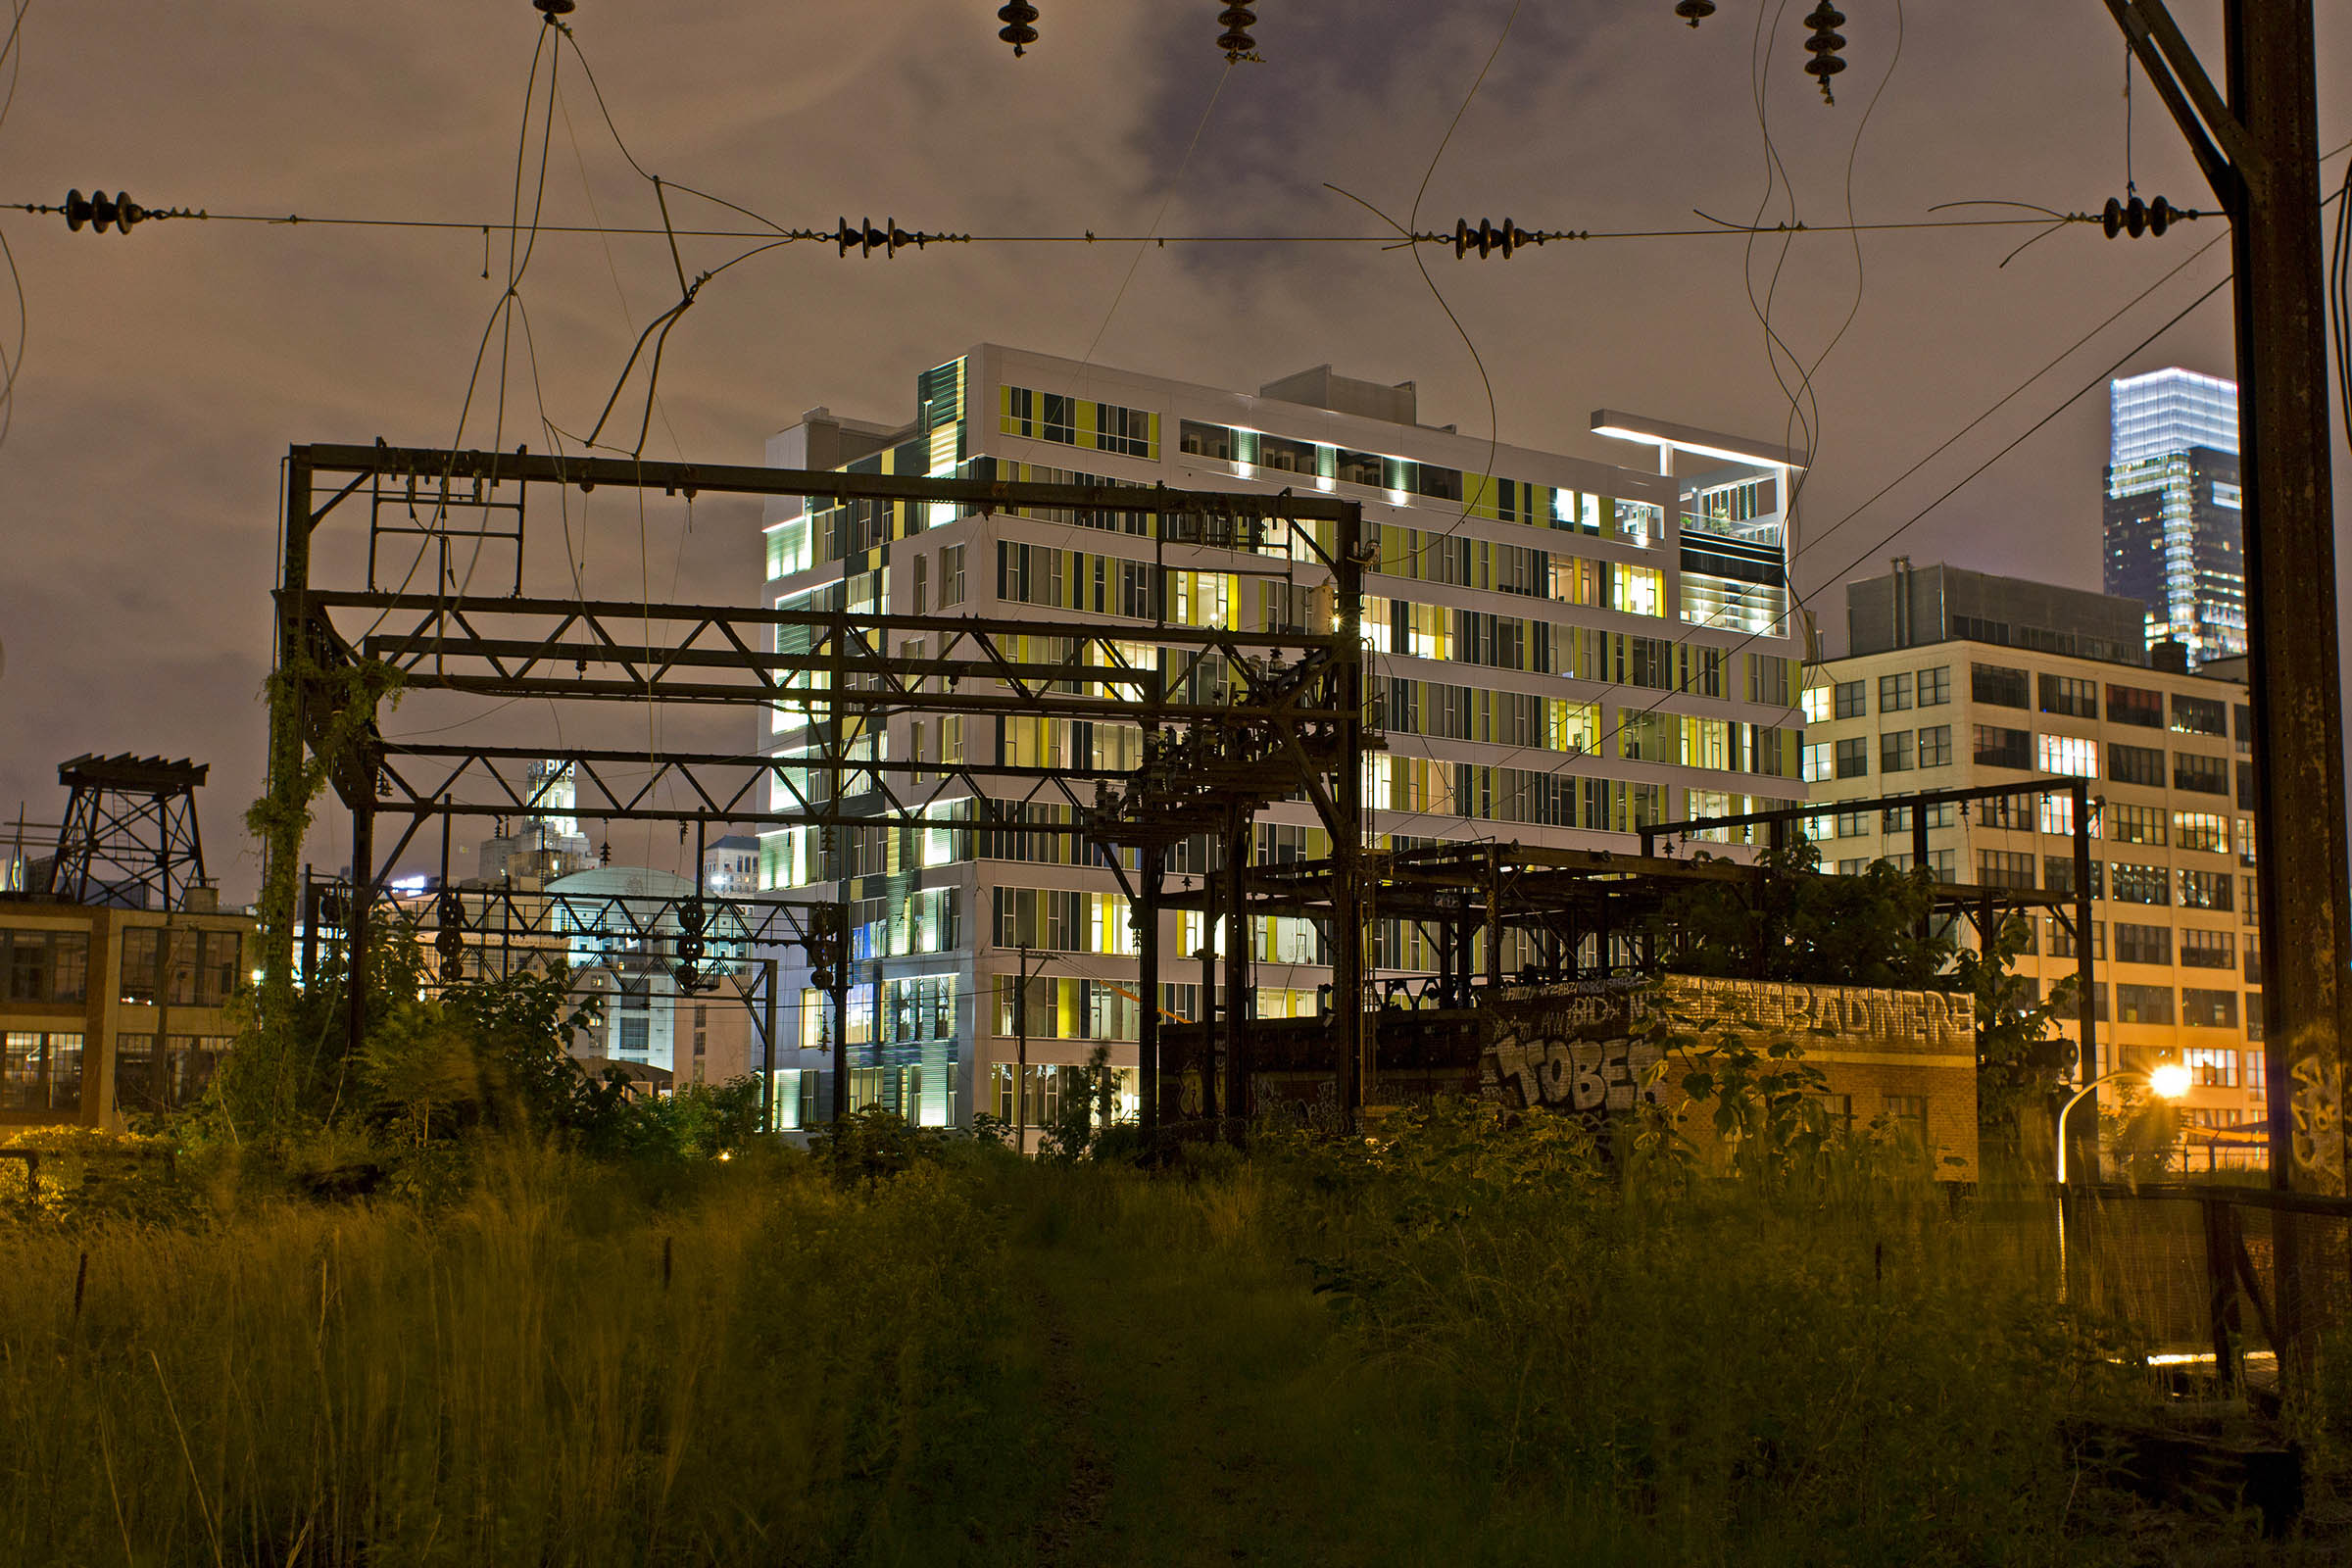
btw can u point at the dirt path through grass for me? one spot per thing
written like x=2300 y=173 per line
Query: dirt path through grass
x=1197 y=1412
x=1071 y=1529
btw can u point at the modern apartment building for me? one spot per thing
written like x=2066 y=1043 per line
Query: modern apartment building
x=2177 y=961
x=1562 y=650
x=2174 y=539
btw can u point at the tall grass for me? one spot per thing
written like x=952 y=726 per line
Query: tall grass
x=514 y=1381
x=1473 y=1345
x=1840 y=1368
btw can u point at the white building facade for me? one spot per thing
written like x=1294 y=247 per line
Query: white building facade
x=1562 y=651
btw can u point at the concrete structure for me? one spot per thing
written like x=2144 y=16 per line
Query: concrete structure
x=1902 y=1061
x=2176 y=946
x=1914 y=606
x=1562 y=650
x=2174 y=536
x=107 y=1012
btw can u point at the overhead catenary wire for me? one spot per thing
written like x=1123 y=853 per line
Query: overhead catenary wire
x=1776 y=178
x=12 y=359
x=1207 y=111
x=2343 y=195
x=1410 y=226
x=2339 y=288
x=519 y=255
x=1711 y=229
x=1802 y=600
x=779 y=236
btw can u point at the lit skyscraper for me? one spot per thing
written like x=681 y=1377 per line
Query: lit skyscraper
x=2173 y=535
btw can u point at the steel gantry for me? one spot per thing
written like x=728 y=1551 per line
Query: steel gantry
x=1289 y=700
x=1583 y=914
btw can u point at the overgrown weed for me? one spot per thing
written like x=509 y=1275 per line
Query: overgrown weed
x=567 y=1367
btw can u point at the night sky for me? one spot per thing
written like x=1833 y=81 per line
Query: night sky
x=165 y=372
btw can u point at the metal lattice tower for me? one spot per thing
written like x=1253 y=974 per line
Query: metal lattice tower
x=130 y=835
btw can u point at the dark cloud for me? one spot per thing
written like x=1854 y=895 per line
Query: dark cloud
x=168 y=371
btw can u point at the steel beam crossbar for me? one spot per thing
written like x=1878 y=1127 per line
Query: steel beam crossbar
x=550 y=916
x=2040 y=788
x=632 y=612
x=724 y=788
x=522 y=466
x=848 y=659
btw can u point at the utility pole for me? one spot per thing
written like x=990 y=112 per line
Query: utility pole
x=2259 y=149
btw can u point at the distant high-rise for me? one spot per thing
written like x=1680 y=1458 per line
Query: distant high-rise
x=546 y=842
x=2173 y=535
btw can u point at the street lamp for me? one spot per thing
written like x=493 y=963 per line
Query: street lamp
x=2167 y=1080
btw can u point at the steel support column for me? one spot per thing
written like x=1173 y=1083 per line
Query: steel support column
x=356 y=921
x=1238 y=993
x=287 y=739
x=1354 y=1038
x=1146 y=1032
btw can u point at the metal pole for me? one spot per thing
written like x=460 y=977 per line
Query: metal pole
x=767 y=1049
x=1239 y=945
x=2293 y=679
x=1921 y=863
x=310 y=928
x=1211 y=1101
x=356 y=918
x=1348 y=833
x=1147 y=1033
x=1493 y=954
x=2086 y=1011
x=2270 y=186
x=835 y=680
x=286 y=738
x=1020 y=1072
x=836 y=925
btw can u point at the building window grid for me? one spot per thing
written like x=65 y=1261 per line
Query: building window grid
x=2211 y=1066
x=2063 y=694
x=2143 y=943
x=1999 y=686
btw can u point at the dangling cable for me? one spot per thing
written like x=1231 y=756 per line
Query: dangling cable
x=2131 y=188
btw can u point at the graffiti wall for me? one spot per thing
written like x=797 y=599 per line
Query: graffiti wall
x=2319 y=1120
x=1578 y=1046
x=1598 y=1049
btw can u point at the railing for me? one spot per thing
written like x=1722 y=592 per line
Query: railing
x=1753 y=531
x=2201 y=1269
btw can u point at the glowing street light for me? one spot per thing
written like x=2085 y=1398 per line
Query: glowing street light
x=2167 y=1080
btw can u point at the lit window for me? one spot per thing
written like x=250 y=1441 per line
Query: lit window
x=2066 y=753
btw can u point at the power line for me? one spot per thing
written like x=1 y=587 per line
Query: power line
x=847 y=236
x=2343 y=194
x=1800 y=600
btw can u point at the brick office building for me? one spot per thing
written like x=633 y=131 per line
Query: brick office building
x=108 y=1012
x=1959 y=679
